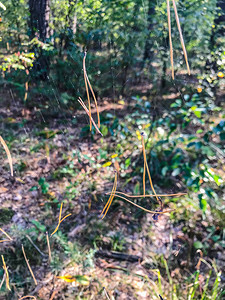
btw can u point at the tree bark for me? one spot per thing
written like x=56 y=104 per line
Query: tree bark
x=148 y=53
x=39 y=28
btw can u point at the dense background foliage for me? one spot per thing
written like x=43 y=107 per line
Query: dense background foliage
x=56 y=158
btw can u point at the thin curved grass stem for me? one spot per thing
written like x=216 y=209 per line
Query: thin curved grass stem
x=145 y=209
x=8 y=154
x=149 y=175
x=113 y=189
x=87 y=112
x=93 y=94
x=5 y=234
x=109 y=202
x=65 y=218
x=170 y=38
x=28 y=265
x=145 y=196
x=6 y=273
x=181 y=36
x=144 y=171
x=60 y=220
x=87 y=91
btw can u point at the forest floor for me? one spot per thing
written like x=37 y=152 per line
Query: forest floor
x=127 y=255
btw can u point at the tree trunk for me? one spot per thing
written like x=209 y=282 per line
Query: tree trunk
x=39 y=28
x=148 y=53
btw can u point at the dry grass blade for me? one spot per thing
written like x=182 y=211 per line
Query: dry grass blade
x=146 y=196
x=28 y=265
x=87 y=91
x=60 y=220
x=8 y=154
x=170 y=37
x=5 y=234
x=93 y=94
x=149 y=175
x=109 y=202
x=181 y=36
x=28 y=296
x=6 y=273
x=86 y=110
x=145 y=209
x=3 y=280
x=2 y=241
x=107 y=296
x=49 y=248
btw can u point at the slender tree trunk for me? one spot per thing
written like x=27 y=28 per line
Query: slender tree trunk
x=148 y=52
x=39 y=28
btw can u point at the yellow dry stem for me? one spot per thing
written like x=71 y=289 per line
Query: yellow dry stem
x=87 y=111
x=145 y=209
x=109 y=202
x=87 y=91
x=146 y=164
x=28 y=296
x=8 y=154
x=28 y=265
x=145 y=196
x=49 y=248
x=60 y=220
x=93 y=94
x=170 y=37
x=6 y=273
x=5 y=234
x=181 y=36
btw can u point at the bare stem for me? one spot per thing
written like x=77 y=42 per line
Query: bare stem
x=181 y=36
x=170 y=37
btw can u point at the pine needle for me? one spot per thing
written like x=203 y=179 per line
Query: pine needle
x=60 y=220
x=87 y=91
x=8 y=154
x=170 y=37
x=28 y=265
x=145 y=209
x=146 y=196
x=87 y=111
x=93 y=94
x=146 y=164
x=49 y=248
x=5 y=234
x=28 y=296
x=181 y=36
x=6 y=273
x=109 y=202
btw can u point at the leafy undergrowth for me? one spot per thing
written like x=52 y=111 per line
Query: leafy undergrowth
x=128 y=255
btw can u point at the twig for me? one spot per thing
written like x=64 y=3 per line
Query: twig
x=29 y=267
x=118 y=256
x=8 y=154
x=36 y=247
x=49 y=248
x=6 y=273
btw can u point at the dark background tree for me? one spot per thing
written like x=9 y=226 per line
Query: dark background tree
x=39 y=29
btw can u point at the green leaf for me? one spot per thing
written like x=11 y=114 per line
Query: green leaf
x=198 y=245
